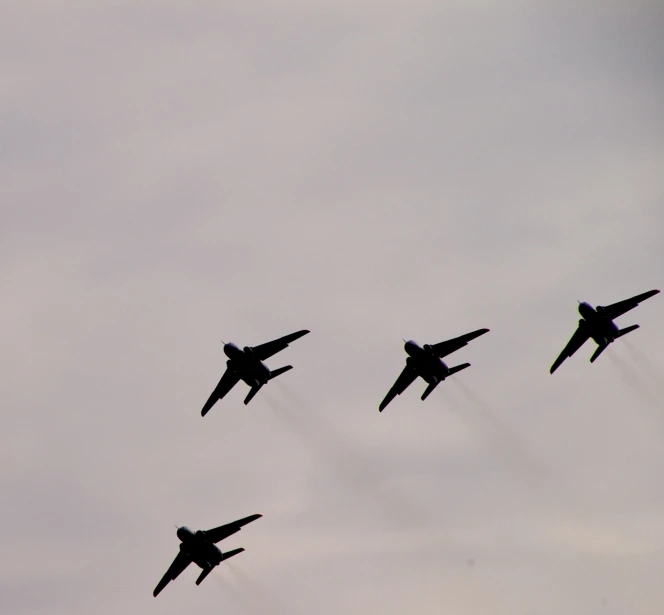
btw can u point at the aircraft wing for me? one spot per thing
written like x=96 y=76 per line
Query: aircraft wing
x=442 y=349
x=181 y=561
x=405 y=379
x=224 y=531
x=265 y=351
x=227 y=382
x=577 y=340
x=616 y=309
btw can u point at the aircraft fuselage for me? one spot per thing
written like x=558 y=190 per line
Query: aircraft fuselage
x=598 y=326
x=428 y=366
x=251 y=370
x=203 y=552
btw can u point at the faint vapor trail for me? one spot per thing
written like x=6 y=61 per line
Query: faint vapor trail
x=485 y=417
x=641 y=388
x=364 y=478
x=637 y=380
x=506 y=444
x=252 y=597
x=238 y=596
x=648 y=369
x=256 y=595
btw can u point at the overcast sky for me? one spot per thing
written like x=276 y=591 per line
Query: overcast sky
x=177 y=173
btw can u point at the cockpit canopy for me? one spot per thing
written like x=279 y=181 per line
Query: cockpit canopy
x=184 y=533
x=585 y=309
x=231 y=350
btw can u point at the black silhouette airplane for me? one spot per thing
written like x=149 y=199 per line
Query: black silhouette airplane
x=200 y=548
x=426 y=363
x=247 y=365
x=597 y=323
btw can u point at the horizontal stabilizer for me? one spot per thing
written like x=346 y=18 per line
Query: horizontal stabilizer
x=251 y=394
x=228 y=554
x=599 y=351
x=428 y=390
x=277 y=372
x=203 y=574
x=458 y=368
x=627 y=330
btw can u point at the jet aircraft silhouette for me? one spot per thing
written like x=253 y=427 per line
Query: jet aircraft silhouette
x=597 y=323
x=426 y=362
x=199 y=547
x=247 y=365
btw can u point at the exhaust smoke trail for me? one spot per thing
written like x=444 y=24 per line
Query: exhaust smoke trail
x=642 y=388
x=648 y=370
x=250 y=595
x=257 y=594
x=507 y=445
x=237 y=596
x=364 y=478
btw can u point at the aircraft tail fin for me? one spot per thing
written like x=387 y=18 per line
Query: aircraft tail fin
x=251 y=394
x=227 y=554
x=599 y=351
x=203 y=574
x=626 y=330
x=277 y=372
x=458 y=368
x=428 y=390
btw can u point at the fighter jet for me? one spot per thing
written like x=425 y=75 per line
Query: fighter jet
x=247 y=365
x=597 y=323
x=199 y=547
x=426 y=362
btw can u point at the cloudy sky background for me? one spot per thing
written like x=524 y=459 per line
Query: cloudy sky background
x=174 y=174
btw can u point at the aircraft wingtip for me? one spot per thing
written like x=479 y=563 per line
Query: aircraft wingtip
x=253 y=517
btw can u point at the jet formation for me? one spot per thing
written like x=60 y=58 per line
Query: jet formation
x=597 y=323
x=200 y=548
x=425 y=362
